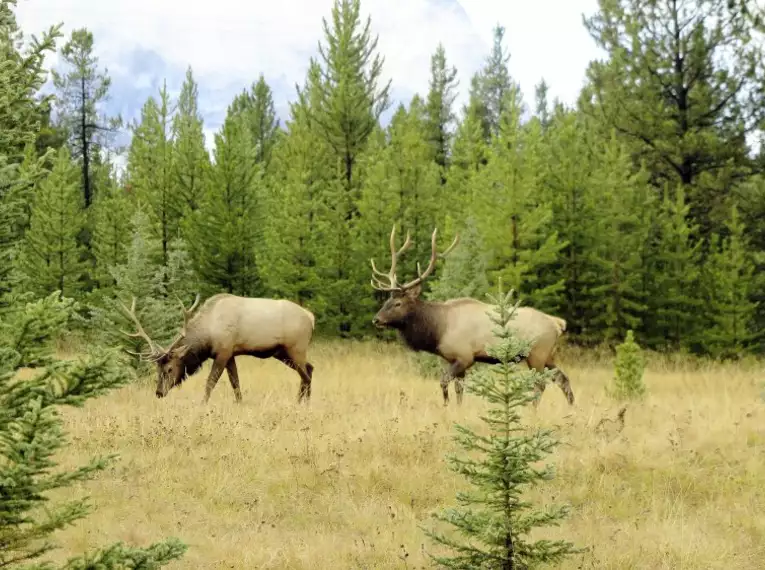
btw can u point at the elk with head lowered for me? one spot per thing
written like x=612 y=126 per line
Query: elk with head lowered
x=227 y=326
x=460 y=330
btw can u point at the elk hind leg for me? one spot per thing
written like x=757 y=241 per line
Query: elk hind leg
x=233 y=377
x=296 y=360
x=455 y=370
x=561 y=379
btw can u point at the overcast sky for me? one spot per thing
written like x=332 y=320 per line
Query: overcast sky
x=229 y=42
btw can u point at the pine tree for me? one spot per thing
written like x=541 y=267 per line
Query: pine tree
x=629 y=366
x=224 y=232
x=682 y=84
x=31 y=432
x=673 y=274
x=542 y=110
x=618 y=256
x=80 y=92
x=464 y=270
x=292 y=257
x=50 y=257
x=568 y=188
x=439 y=111
x=191 y=162
x=348 y=100
x=140 y=276
x=22 y=75
x=260 y=115
x=728 y=276
x=517 y=228
x=493 y=517
x=496 y=86
x=415 y=179
x=111 y=230
x=150 y=170
x=469 y=152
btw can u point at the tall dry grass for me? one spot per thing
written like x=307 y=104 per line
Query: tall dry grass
x=346 y=482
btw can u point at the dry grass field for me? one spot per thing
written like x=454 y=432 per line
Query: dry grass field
x=347 y=482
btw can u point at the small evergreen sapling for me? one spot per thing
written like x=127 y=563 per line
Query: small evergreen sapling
x=628 y=379
x=493 y=517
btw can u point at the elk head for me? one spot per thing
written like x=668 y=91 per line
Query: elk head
x=169 y=361
x=403 y=298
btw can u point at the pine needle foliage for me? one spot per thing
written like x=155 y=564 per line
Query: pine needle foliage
x=493 y=517
x=31 y=436
x=628 y=379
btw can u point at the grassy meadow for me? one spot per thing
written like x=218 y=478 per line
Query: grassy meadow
x=346 y=483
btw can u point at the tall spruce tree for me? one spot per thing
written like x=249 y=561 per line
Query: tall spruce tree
x=260 y=114
x=517 y=228
x=111 y=210
x=618 y=255
x=349 y=101
x=728 y=278
x=496 y=85
x=190 y=160
x=50 y=256
x=683 y=83
x=150 y=170
x=81 y=91
x=673 y=273
x=224 y=233
x=293 y=228
x=440 y=113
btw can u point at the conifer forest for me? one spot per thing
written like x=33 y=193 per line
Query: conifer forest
x=636 y=212
x=639 y=208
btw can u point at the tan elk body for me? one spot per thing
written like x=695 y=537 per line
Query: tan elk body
x=461 y=330
x=227 y=326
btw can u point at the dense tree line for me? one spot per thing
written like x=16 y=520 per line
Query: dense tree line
x=639 y=207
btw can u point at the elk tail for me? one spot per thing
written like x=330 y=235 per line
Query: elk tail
x=560 y=324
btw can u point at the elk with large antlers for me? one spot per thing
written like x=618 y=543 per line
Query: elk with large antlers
x=459 y=330
x=227 y=326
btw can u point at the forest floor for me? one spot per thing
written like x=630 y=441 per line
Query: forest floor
x=350 y=481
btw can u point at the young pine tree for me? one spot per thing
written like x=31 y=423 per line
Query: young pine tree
x=50 y=256
x=493 y=517
x=629 y=366
x=31 y=435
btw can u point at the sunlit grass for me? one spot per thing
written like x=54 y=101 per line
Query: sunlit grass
x=347 y=482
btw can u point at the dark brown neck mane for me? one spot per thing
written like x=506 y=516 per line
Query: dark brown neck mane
x=423 y=328
x=198 y=351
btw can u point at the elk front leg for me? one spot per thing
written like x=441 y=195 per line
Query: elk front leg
x=233 y=377
x=217 y=369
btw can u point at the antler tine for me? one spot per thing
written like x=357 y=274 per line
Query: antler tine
x=154 y=348
x=391 y=275
x=187 y=312
x=434 y=255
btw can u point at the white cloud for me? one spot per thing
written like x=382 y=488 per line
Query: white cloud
x=229 y=42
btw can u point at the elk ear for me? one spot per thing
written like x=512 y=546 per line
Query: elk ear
x=414 y=292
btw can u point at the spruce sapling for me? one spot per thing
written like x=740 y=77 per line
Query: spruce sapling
x=493 y=517
x=628 y=378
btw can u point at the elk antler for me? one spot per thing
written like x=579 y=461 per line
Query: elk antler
x=186 y=318
x=393 y=283
x=391 y=275
x=187 y=312
x=155 y=350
